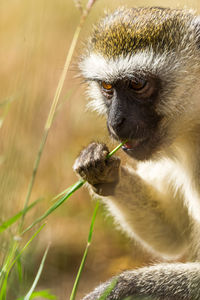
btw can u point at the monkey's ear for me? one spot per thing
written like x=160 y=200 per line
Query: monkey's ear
x=196 y=24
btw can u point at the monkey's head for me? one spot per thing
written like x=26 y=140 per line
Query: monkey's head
x=143 y=68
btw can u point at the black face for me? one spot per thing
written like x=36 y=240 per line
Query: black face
x=132 y=116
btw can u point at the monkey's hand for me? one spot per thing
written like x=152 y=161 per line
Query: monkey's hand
x=101 y=172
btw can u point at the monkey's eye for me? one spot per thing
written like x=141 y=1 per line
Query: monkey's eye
x=138 y=84
x=106 y=86
x=107 y=89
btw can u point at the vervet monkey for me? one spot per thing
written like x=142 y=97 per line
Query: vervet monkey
x=142 y=66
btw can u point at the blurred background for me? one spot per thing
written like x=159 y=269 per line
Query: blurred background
x=35 y=36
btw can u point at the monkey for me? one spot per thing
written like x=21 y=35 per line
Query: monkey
x=142 y=69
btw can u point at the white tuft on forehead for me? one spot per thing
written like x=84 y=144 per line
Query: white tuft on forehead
x=97 y=67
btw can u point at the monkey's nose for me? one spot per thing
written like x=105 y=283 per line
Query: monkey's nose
x=117 y=127
x=117 y=124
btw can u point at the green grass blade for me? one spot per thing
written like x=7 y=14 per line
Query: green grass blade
x=4 y=289
x=28 y=295
x=26 y=245
x=19 y=267
x=92 y=222
x=13 y=219
x=109 y=289
x=116 y=148
x=6 y=264
x=9 y=264
x=74 y=290
x=74 y=187
x=62 y=193
x=43 y=294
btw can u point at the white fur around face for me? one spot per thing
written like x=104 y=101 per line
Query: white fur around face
x=97 y=67
x=97 y=103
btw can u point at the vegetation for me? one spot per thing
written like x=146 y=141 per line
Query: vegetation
x=13 y=253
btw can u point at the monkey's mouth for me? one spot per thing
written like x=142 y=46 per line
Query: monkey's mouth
x=133 y=144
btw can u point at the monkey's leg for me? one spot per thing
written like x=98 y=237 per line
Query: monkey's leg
x=162 y=282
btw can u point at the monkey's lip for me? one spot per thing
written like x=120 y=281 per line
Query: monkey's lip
x=131 y=145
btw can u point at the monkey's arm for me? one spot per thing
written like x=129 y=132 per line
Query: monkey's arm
x=135 y=204
x=145 y=212
x=160 y=282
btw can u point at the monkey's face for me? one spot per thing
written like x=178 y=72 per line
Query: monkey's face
x=131 y=93
x=131 y=114
x=141 y=98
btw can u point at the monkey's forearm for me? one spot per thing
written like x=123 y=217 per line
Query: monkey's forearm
x=141 y=207
x=161 y=282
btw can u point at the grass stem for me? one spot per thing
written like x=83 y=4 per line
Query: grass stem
x=75 y=287
x=54 y=104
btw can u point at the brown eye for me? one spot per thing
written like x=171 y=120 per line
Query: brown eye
x=107 y=89
x=138 y=84
x=106 y=86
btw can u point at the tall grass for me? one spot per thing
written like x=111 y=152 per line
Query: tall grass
x=14 y=251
